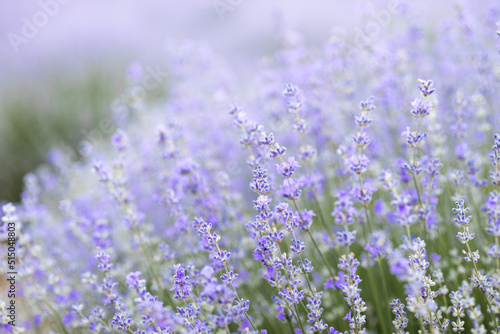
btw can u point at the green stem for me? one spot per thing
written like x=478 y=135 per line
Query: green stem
x=58 y=317
x=321 y=254
x=297 y=317
x=165 y=296
x=314 y=243
x=421 y=204
x=386 y=290
x=480 y=233
x=484 y=295
x=237 y=296
x=364 y=206
x=421 y=322
x=375 y=295
x=356 y=327
x=322 y=218
x=289 y=321
x=54 y=311
x=305 y=274
x=497 y=259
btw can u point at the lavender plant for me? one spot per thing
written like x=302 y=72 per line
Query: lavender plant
x=176 y=226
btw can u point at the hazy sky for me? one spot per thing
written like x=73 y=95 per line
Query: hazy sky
x=40 y=36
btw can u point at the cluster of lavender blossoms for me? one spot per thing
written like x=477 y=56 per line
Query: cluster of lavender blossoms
x=174 y=225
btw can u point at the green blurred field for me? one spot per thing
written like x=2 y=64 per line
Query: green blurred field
x=39 y=115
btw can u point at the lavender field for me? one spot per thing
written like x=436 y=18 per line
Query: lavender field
x=350 y=185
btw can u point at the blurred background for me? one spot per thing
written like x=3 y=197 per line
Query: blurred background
x=63 y=63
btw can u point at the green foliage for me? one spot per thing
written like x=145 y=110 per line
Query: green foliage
x=34 y=117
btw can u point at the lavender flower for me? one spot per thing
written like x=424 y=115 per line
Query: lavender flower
x=166 y=236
